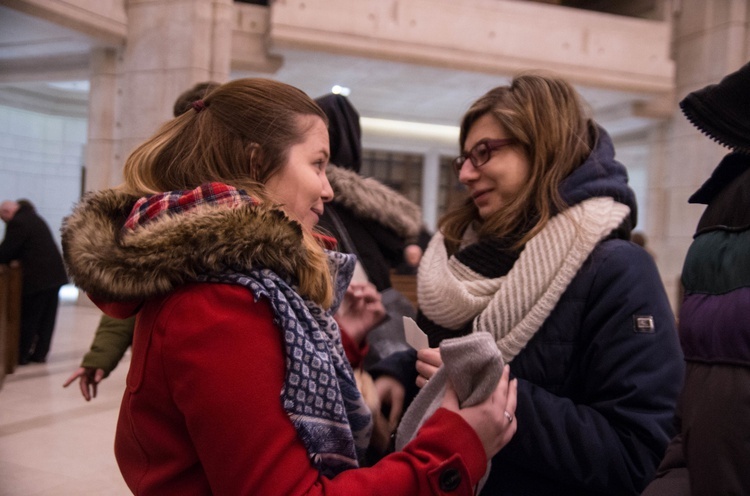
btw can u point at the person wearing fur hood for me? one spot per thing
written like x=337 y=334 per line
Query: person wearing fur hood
x=238 y=383
x=367 y=218
x=378 y=225
x=373 y=221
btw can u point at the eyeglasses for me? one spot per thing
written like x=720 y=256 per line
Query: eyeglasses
x=481 y=153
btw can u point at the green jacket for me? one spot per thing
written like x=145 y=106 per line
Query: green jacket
x=112 y=339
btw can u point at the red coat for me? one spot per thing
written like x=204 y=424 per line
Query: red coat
x=202 y=412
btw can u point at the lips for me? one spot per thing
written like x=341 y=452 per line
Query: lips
x=478 y=194
x=318 y=213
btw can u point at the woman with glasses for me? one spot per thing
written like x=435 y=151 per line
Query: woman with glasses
x=539 y=257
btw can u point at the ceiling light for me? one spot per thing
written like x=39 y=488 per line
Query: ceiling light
x=77 y=86
x=415 y=130
x=340 y=90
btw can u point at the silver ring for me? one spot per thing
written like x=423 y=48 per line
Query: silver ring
x=508 y=416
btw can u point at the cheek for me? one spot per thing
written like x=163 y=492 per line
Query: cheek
x=522 y=176
x=518 y=175
x=313 y=186
x=284 y=190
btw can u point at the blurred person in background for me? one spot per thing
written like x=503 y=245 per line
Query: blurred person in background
x=29 y=240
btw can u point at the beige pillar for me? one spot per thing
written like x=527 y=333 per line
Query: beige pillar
x=101 y=154
x=710 y=41
x=171 y=45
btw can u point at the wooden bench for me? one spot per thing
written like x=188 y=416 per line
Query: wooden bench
x=405 y=284
x=10 y=317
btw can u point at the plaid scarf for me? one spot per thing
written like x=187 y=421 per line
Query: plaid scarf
x=152 y=207
x=320 y=393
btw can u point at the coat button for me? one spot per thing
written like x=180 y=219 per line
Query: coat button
x=450 y=479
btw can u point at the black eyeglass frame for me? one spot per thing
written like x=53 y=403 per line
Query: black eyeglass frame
x=490 y=144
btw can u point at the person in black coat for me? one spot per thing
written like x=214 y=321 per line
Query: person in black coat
x=28 y=239
x=366 y=217
x=370 y=220
x=709 y=455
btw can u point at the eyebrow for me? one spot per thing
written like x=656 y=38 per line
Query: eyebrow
x=464 y=150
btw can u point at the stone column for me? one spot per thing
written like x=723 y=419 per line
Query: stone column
x=430 y=186
x=171 y=45
x=710 y=41
x=101 y=154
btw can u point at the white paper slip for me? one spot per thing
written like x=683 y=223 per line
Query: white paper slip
x=416 y=338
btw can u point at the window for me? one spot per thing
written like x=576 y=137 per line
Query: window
x=450 y=192
x=400 y=171
x=403 y=173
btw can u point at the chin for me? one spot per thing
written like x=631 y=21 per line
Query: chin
x=486 y=211
x=310 y=221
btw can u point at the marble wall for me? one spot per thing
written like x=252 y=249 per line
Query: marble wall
x=41 y=159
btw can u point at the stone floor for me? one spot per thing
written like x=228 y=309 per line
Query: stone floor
x=52 y=442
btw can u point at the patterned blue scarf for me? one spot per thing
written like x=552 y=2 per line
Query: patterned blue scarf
x=320 y=394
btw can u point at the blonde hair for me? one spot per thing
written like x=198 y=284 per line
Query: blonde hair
x=240 y=136
x=546 y=117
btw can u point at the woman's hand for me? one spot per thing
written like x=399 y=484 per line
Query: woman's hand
x=428 y=361
x=493 y=420
x=413 y=255
x=360 y=311
x=89 y=380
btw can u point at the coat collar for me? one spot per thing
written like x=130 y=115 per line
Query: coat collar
x=116 y=265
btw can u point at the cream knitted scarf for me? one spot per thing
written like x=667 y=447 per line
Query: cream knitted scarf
x=513 y=307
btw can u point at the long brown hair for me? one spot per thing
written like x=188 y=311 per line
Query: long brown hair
x=546 y=117
x=239 y=134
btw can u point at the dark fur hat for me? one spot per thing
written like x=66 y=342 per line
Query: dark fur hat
x=722 y=111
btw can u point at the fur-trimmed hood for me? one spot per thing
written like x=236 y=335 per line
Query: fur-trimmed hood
x=372 y=200
x=116 y=265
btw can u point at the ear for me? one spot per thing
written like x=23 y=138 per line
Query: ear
x=254 y=161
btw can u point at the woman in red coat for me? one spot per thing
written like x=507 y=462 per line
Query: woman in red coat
x=238 y=382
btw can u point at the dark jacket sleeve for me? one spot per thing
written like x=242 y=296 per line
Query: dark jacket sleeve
x=29 y=240
x=391 y=244
x=402 y=367
x=112 y=339
x=12 y=245
x=672 y=476
x=609 y=430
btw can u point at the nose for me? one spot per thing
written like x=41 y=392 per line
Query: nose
x=468 y=172
x=327 y=192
